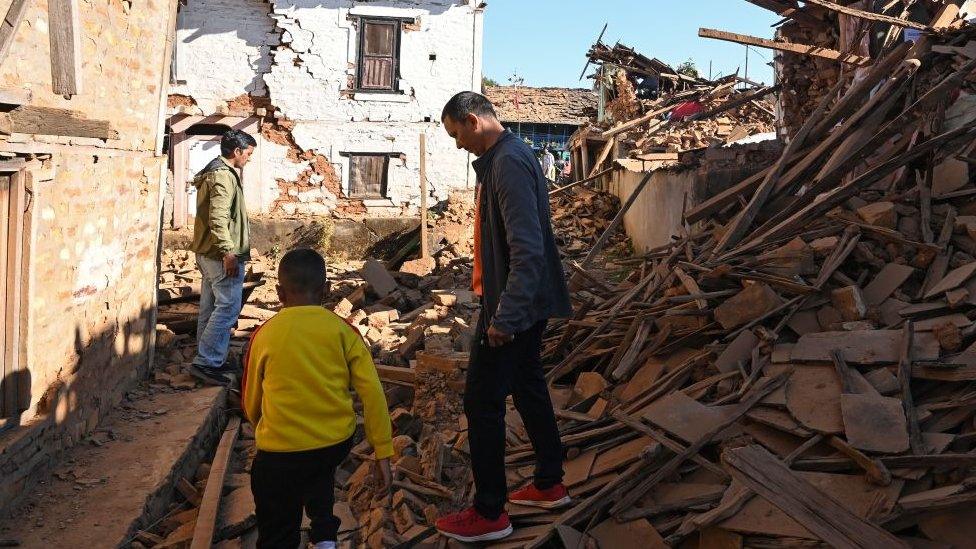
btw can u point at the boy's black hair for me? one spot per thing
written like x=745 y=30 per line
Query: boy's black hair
x=465 y=103
x=302 y=271
x=235 y=139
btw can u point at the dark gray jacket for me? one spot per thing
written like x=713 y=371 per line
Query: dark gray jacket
x=522 y=275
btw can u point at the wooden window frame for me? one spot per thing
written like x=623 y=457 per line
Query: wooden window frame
x=15 y=230
x=361 y=49
x=385 y=185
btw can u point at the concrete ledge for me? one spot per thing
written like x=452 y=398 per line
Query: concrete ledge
x=121 y=479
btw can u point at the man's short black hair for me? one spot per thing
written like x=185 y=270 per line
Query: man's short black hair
x=302 y=271
x=465 y=103
x=235 y=139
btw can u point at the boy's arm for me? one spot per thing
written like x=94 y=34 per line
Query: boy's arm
x=366 y=382
x=251 y=383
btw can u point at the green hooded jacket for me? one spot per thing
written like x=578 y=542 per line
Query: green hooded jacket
x=221 y=223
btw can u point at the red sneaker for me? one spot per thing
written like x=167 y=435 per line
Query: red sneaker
x=470 y=526
x=550 y=498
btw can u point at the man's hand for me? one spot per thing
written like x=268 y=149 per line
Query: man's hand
x=383 y=477
x=497 y=338
x=231 y=265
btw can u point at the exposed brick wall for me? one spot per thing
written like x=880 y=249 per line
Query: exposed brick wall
x=95 y=210
x=122 y=54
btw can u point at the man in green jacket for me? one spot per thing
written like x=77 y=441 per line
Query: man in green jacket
x=222 y=246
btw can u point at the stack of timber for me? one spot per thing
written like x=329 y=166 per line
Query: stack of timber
x=798 y=368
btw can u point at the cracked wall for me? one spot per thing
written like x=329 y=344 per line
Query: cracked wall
x=302 y=55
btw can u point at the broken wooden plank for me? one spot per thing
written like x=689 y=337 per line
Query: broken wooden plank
x=8 y=27
x=34 y=120
x=889 y=279
x=65 y=38
x=870 y=16
x=628 y=497
x=761 y=472
x=802 y=49
x=736 y=352
x=864 y=347
x=813 y=398
x=203 y=531
x=396 y=374
x=683 y=416
x=636 y=534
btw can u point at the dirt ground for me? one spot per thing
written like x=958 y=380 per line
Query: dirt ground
x=100 y=486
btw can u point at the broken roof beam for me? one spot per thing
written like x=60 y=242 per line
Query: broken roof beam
x=788 y=9
x=870 y=15
x=802 y=49
x=780 y=7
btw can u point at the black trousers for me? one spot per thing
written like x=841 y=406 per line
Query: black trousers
x=286 y=483
x=493 y=374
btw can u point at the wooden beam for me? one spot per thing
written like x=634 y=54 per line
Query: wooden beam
x=424 y=245
x=47 y=121
x=63 y=18
x=802 y=49
x=637 y=122
x=15 y=13
x=164 y=77
x=870 y=15
x=203 y=531
x=14 y=96
x=761 y=472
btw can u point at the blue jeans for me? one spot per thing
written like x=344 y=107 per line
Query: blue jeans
x=220 y=305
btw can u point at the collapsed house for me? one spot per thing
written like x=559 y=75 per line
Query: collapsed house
x=543 y=117
x=337 y=95
x=81 y=173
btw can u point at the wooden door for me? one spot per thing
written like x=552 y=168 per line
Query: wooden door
x=12 y=215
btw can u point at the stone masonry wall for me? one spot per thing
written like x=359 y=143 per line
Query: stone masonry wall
x=301 y=57
x=94 y=210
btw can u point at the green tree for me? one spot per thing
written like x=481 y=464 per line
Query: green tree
x=487 y=82
x=688 y=68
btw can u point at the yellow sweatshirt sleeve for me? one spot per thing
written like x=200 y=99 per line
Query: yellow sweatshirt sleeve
x=251 y=392
x=366 y=382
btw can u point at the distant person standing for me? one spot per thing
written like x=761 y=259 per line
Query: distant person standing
x=221 y=242
x=548 y=164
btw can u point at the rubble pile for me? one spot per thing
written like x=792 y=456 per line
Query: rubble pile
x=580 y=215
x=660 y=110
x=797 y=369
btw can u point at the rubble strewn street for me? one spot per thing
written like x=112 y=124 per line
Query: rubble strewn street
x=772 y=340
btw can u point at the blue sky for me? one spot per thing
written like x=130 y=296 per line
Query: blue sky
x=546 y=40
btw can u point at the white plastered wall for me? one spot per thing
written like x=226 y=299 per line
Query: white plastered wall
x=302 y=54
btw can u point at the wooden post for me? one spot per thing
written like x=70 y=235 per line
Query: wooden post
x=424 y=245
x=65 y=47
x=584 y=164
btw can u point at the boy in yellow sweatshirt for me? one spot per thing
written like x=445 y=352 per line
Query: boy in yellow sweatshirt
x=298 y=373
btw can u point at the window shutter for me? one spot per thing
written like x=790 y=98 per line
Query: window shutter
x=367 y=175
x=378 y=54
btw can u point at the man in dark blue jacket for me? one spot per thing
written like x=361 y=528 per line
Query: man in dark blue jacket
x=519 y=276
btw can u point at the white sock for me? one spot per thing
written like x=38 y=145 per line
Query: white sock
x=325 y=545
